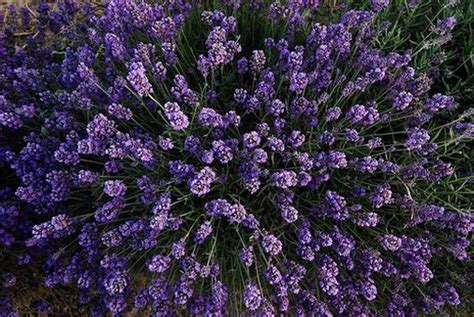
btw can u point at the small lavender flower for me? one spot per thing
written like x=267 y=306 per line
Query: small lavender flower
x=120 y=111
x=115 y=282
x=382 y=196
x=276 y=107
x=252 y=297
x=246 y=256
x=296 y=139
x=271 y=244
x=403 y=100
x=165 y=144
x=356 y=114
x=352 y=135
x=86 y=177
x=275 y=144
x=298 y=82
x=417 y=138
x=178 y=249
x=203 y=232
x=333 y=114
x=284 y=179
x=379 y=5
x=260 y=156
x=391 y=242
x=137 y=78
x=251 y=140
x=257 y=62
x=200 y=184
x=115 y=188
x=242 y=66
x=115 y=46
x=273 y=275
x=210 y=118
x=336 y=159
x=177 y=119
x=8 y=279
x=367 y=164
x=446 y=25
x=336 y=206
x=159 y=263
x=289 y=213
x=222 y=151
x=439 y=102
x=450 y=295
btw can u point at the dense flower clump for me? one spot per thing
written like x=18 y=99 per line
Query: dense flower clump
x=168 y=162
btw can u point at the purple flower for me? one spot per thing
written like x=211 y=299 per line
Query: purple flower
x=284 y=179
x=203 y=232
x=257 y=62
x=374 y=143
x=242 y=66
x=439 y=102
x=182 y=292
x=109 y=211
x=356 y=114
x=159 y=71
x=252 y=297
x=382 y=196
x=391 y=242
x=275 y=144
x=335 y=206
x=165 y=144
x=298 y=82
x=333 y=113
x=367 y=164
x=289 y=213
x=260 y=156
x=271 y=244
x=276 y=107
x=210 y=118
x=327 y=273
x=137 y=78
x=402 y=100
x=222 y=151
x=246 y=256
x=115 y=282
x=177 y=249
x=159 y=263
x=100 y=127
x=449 y=294
x=120 y=111
x=115 y=46
x=417 y=138
x=296 y=138
x=446 y=25
x=115 y=188
x=273 y=275
x=8 y=279
x=368 y=219
x=379 y=5
x=86 y=177
x=177 y=119
x=336 y=159
x=251 y=140
x=352 y=135
x=200 y=183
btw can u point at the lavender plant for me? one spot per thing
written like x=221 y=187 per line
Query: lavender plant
x=231 y=158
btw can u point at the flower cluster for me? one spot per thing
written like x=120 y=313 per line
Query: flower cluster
x=292 y=173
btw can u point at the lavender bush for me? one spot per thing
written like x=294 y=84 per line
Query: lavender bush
x=229 y=158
